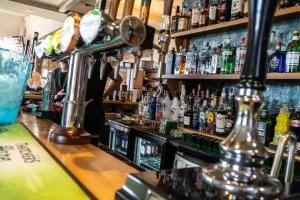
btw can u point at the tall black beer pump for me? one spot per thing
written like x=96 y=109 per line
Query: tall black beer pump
x=240 y=174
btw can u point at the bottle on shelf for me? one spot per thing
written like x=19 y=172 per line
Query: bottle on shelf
x=190 y=19
x=282 y=123
x=188 y=114
x=204 y=59
x=159 y=108
x=191 y=61
x=221 y=112
x=213 y=17
x=182 y=61
x=170 y=61
x=203 y=113
x=203 y=21
x=211 y=115
x=286 y=3
x=167 y=103
x=183 y=20
x=282 y=67
x=179 y=61
x=175 y=20
x=225 y=10
x=295 y=124
x=240 y=56
x=175 y=107
x=246 y=9
x=195 y=14
x=183 y=106
x=264 y=124
x=230 y=115
x=237 y=9
x=215 y=64
x=196 y=105
x=275 y=59
x=152 y=110
x=227 y=58
x=272 y=43
x=293 y=54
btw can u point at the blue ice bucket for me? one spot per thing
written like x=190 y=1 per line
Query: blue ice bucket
x=14 y=72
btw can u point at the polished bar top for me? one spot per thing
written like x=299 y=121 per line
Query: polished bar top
x=101 y=173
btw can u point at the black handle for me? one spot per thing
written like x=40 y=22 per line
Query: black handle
x=100 y=4
x=260 y=20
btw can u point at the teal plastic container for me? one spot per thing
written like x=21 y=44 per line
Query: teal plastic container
x=14 y=72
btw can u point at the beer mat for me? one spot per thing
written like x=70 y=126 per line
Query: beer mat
x=274 y=147
x=30 y=171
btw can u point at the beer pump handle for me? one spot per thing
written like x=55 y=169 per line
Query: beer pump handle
x=128 y=8
x=145 y=10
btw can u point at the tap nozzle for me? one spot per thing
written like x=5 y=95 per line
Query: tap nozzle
x=103 y=66
x=117 y=67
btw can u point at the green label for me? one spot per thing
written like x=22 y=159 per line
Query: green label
x=27 y=171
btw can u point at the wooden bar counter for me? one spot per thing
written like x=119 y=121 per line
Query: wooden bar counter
x=98 y=171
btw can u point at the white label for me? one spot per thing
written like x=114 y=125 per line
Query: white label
x=187 y=120
x=195 y=16
x=183 y=24
x=89 y=26
x=237 y=6
x=220 y=123
x=212 y=13
x=292 y=58
x=142 y=150
x=214 y=63
x=240 y=60
x=227 y=53
x=261 y=129
x=67 y=33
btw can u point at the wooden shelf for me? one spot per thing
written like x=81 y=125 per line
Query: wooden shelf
x=280 y=14
x=270 y=76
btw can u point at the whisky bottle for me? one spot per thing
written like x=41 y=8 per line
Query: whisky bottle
x=175 y=20
x=225 y=10
x=182 y=61
x=221 y=114
x=195 y=14
x=264 y=130
x=183 y=21
x=211 y=115
x=203 y=21
x=237 y=9
x=213 y=16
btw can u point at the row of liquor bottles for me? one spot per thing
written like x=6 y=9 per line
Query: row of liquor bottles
x=149 y=149
x=208 y=12
x=214 y=112
x=227 y=59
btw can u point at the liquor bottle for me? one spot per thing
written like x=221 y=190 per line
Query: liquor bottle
x=183 y=106
x=230 y=116
x=295 y=124
x=203 y=21
x=170 y=61
x=190 y=19
x=211 y=115
x=275 y=59
x=246 y=9
x=225 y=10
x=196 y=105
x=159 y=108
x=175 y=107
x=286 y=3
x=146 y=113
x=293 y=54
x=203 y=112
x=148 y=149
x=240 y=56
x=264 y=124
x=191 y=61
x=237 y=9
x=282 y=67
x=182 y=61
x=272 y=43
x=282 y=123
x=227 y=58
x=175 y=20
x=213 y=16
x=221 y=113
x=188 y=114
x=204 y=59
x=152 y=110
x=195 y=14
x=167 y=103
x=215 y=63
x=178 y=60
x=183 y=21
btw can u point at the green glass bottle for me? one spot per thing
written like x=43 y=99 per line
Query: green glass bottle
x=264 y=124
x=227 y=58
x=293 y=54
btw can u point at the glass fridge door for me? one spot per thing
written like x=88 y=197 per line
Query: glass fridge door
x=148 y=154
x=119 y=141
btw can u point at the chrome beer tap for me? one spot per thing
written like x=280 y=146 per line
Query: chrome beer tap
x=103 y=64
x=117 y=67
x=240 y=174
